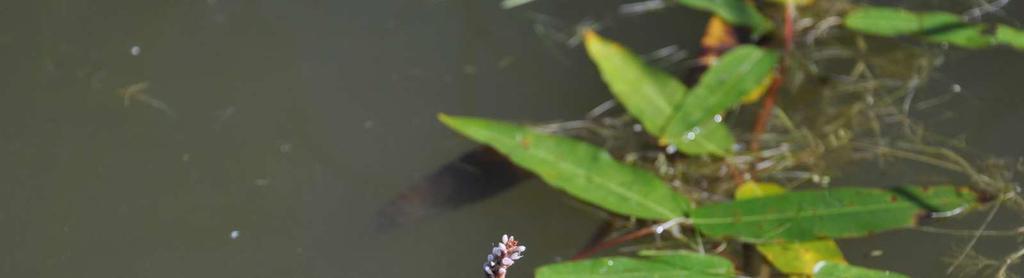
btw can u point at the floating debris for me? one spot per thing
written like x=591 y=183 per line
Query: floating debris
x=667 y=55
x=506 y=61
x=136 y=50
x=508 y=4
x=261 y=182
x=234 y=234
x=469 y=70
x=638 y=8
x=137 y=92
x=223 y=115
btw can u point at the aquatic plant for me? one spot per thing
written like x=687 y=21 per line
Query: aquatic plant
x=681 y=163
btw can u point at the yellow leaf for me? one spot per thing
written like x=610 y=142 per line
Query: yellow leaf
x=756 y=93
x=798 y=3
x=718 y=36
x=790 y=257
x=753 y=189
x=800 y=257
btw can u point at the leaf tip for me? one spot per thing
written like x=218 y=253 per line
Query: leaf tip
x=446 y=119
x=592 y=41
x=590 y=36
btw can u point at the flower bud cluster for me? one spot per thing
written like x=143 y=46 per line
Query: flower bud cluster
x=503 y=256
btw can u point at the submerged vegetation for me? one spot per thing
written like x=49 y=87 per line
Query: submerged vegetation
x=744 y=156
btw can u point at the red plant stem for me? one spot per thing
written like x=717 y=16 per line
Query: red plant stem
x=767 y=105
x=788 y=16
x=769 y=99
x=642 y=232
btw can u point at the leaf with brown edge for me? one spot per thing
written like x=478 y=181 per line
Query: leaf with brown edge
x=838 y=212
x=933 y=26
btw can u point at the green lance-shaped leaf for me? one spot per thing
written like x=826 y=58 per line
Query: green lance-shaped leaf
x=676 y=264
x=737 y=12
x=832 y=213
x=790 y=257
x=1010 y=36
x=649 y=94
x=581 y=169
x=737 y=73
x=837 y=270
x=933 y=26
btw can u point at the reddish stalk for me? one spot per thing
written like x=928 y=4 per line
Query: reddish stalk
x=769 y=99
x=767 y=105
x=642 y=232
x=788 y=16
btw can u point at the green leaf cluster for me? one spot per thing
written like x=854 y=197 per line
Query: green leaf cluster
x=839 y=212
x=736 y=74
x=591 y=174
x=663 y=104
x=797 y=225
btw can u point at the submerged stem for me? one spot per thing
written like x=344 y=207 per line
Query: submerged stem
x=977 y=235
x=1009 y=260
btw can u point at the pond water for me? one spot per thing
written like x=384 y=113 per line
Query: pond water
x=271 y=132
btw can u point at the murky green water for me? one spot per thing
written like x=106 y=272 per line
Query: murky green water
x=272 y=131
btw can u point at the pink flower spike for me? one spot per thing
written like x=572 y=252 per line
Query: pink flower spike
x=503 y=256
